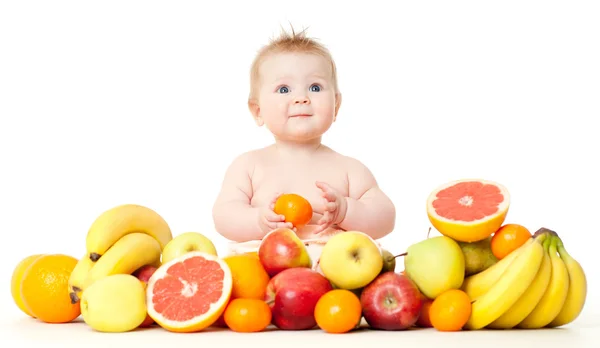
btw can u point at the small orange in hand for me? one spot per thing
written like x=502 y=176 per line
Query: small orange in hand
x=450 y=311
x=247 y=315
x=295 y=208
x=338 y=311
x=508 y=238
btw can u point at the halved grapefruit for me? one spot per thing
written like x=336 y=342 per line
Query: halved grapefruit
x=190 y=292
x=468 y=210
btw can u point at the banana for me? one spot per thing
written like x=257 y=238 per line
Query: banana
x=77 y=277
x=527 y=302
x=118 y=221
x=577 y=293
x=554 y=297
x=508 y=289
x=480 y=283
x=129 y=253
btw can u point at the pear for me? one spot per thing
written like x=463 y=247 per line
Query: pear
x=116 y=303
x=478 y=256
x=389 y=261
x=436 y=264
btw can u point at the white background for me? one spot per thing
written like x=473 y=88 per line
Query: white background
x=112 y=102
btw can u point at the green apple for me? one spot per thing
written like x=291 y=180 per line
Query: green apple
x=351 y=260
x=436 y=264
x=116 y=303
x=186 y=242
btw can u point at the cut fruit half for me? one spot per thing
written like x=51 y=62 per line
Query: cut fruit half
x=190 y=292
x=468 y=210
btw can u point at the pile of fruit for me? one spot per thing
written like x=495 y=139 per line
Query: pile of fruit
x=479 y=273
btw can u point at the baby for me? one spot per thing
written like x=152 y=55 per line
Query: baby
x=294 y=93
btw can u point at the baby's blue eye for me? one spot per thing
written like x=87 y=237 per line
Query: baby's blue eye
x=315 y=88
x=283 y=89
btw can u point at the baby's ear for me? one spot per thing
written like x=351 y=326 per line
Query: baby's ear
x=338 y=103
x=255 y=111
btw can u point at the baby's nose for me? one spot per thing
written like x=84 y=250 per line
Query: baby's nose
x=301 y=100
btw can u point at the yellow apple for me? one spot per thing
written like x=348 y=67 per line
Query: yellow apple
x=351 y=260
x=186 y=242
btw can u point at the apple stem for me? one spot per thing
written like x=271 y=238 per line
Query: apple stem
x=403 y=254
x=270 y=301
x=428 y=232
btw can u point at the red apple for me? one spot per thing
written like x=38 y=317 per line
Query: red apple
x=143 y=274
x=281 y=249
x=391 y=302
x=424 y=319
x=293 y=294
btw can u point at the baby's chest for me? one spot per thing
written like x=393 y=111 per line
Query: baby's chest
x=269 y=180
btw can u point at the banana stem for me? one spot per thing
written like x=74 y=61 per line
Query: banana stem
x=543 y=231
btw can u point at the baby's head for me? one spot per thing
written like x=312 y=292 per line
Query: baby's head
x=293 y=88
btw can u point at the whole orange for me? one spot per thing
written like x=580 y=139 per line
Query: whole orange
x=16 y=279
x=247 y=315
x=295 y=208
x=249 y=276
x=450 y=311
x=508 y=238
x=45 y=291
x=338 y=311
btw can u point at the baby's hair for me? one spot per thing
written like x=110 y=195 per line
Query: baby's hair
x=285 y=43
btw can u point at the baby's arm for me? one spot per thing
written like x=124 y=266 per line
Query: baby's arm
x=233 y=216
x=369 y=209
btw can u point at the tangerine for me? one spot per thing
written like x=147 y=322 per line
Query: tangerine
x=338 y=311
x=450 y=311
x=295 y=208
x=508 y=238
x=248 y=275
x=247 y=315
x=45 y=289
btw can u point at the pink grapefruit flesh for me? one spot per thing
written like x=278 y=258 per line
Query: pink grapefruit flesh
x=189 y=293
x=468 y=210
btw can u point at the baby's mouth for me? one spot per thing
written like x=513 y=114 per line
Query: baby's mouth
x=300 y=115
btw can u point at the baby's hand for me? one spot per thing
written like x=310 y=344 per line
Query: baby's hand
x=268 y=220
x=334 y=209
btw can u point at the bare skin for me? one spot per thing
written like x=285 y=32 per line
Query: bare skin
x=342 y=191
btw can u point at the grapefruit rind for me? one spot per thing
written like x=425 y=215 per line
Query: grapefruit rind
x=468 y=231
x=200 y=322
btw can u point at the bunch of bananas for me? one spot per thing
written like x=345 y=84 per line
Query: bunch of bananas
x=120 y=241
x=538 y=285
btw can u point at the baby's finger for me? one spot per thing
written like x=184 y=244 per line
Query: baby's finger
x=329 y=196
x=323 y=186
x=330 y=206
x=274 y=200
x=324 y=219
x=271 y=216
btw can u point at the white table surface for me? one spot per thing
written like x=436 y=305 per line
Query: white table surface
x=585 y=332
